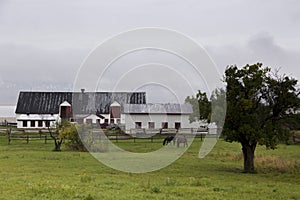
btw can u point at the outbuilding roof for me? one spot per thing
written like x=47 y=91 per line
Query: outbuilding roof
x=158 y=108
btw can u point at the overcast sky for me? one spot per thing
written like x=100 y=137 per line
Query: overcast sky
x=43 y=43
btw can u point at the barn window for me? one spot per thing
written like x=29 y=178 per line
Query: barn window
x=164 y=125
x=40 y=123
x=47 y=123
x=32 y=123
x=89 y=121
x=138 y=125
x=79 y=121
x=151 y=125
x=177 y=125
x=24 y=123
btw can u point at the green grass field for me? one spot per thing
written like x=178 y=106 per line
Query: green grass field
x=33 y=171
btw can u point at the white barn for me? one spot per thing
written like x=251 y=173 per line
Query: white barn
x=44 y=109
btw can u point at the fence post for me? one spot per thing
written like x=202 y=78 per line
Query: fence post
x=8 y=135
x=27 y=139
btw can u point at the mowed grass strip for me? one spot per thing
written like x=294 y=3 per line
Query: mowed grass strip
x=33 y=171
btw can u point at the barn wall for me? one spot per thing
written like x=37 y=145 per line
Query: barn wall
x=106 y=116
x=36 y=117
x=130 y=120
x=94 y=119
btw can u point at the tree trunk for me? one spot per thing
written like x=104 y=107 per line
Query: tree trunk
x=248 y=153
x=57 y=144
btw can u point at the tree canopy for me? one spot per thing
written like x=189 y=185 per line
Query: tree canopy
x=260 y=106
x=218 y=107
x=210 y=110
x=66 y=131
x=201 y=106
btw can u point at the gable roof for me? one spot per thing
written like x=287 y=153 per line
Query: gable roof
x=82 y=103
x=83 y=116
x=158 y=108
x=65 y=103
x=115 y=103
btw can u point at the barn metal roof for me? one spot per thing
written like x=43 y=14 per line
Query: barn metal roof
x=82 y=103
x=158 y=108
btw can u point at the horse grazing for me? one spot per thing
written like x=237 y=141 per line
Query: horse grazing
x=168 y=139
x=182 y=140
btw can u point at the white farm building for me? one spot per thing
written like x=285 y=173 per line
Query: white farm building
x=129 y=109
x=156 y=116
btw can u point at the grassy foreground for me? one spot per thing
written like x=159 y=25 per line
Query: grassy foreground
x=33 y=171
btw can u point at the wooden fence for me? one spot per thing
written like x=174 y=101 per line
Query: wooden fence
x=138 y=134
x=25 y=134
x=149 y=134
x=28 y=138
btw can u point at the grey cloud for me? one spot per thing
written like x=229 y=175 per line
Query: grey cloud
x=42 y=43
x=29 y=63
x=261 y=47
x=25 y=67
x=264 y=48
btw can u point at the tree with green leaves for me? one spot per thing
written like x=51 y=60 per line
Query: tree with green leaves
x=56 y=136
x=66 y=131
x=218 y=106
x=259 y=106
x=204 y=106
x=201 y=106
x=74 y=141
x=193 y=101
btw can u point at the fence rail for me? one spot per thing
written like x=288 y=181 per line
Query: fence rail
x=28 y=138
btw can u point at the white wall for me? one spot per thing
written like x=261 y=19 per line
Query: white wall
x=94 y=119
x=130 y=120
x=36 y=117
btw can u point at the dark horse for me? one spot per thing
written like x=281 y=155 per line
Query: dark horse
x=182 y=140
x=168 y=139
